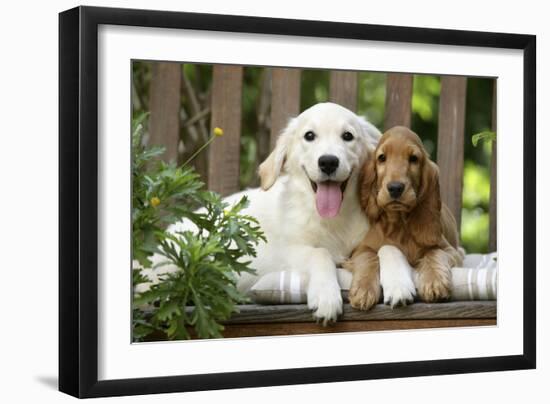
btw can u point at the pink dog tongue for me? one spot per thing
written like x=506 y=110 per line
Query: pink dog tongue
x=328 y=198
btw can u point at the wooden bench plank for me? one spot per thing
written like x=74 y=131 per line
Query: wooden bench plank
x=259 y=320
x=493 y=192
x=164 y=105
x=273 y=329
x=285 y=101
x=253 y=313
x=343 y=88
x=224 y=152
x=399 y=89
x=450 y=142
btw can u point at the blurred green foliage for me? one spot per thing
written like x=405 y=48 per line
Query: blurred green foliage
x=371 y=103
x=475 y=207
x=372 y=97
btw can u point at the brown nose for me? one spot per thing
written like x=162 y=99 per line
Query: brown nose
x=395 y=189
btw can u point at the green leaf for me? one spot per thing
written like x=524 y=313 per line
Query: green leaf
x=167 y=311
x=486 y=135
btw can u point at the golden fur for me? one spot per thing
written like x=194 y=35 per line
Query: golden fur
x=416 y=222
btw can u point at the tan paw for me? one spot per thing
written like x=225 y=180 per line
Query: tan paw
x=364 y=294
x=434 y=286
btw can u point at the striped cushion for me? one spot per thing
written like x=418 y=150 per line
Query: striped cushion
x=476 y=280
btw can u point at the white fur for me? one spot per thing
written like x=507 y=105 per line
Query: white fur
x=298 y=238
x=396 y=276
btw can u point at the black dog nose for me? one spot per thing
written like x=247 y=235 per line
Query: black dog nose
x=395 y=189
x=328 y=163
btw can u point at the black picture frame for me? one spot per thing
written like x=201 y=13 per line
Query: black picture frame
x=78 y=196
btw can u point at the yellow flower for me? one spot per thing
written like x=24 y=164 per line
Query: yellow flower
x=155 y=201
x=217 y=133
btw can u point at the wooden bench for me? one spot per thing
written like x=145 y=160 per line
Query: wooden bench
x=223 y=177
x=259 y=320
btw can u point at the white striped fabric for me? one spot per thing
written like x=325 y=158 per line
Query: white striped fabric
x=476 y=280
x=285 y=287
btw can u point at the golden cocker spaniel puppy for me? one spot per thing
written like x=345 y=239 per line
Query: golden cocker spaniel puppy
x=400 y=195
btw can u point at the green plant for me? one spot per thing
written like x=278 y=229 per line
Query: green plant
x=202 y=292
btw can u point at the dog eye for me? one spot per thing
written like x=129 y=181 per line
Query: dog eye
x=381 y=158
x=413 y=159
x=309 y=136
x=347 y=136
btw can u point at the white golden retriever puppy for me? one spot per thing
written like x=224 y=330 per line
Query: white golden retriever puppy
x=308 y=204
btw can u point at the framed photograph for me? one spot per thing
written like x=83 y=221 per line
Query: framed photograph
x=252 y=201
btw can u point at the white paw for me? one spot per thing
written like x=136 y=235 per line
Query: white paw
x=398 y=294
x=396 y=277
x=325 y=300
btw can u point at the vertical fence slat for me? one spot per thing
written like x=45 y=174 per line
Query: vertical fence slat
x=493 y=195
x=263 y=113
x=164 y=122
x=224 y=152
x=450 y=142
x=399 y=89
x=343 y=89
x=285 y=102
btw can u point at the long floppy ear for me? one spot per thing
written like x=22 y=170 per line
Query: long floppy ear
x=270 y=169
x=425 y=219
x=368 y=189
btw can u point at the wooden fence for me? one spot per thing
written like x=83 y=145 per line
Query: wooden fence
x=168 y=86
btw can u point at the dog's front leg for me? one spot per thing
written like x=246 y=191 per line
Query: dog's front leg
x=433 y=276
x=324 y=296
x=396 y=277
x=365 y=285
